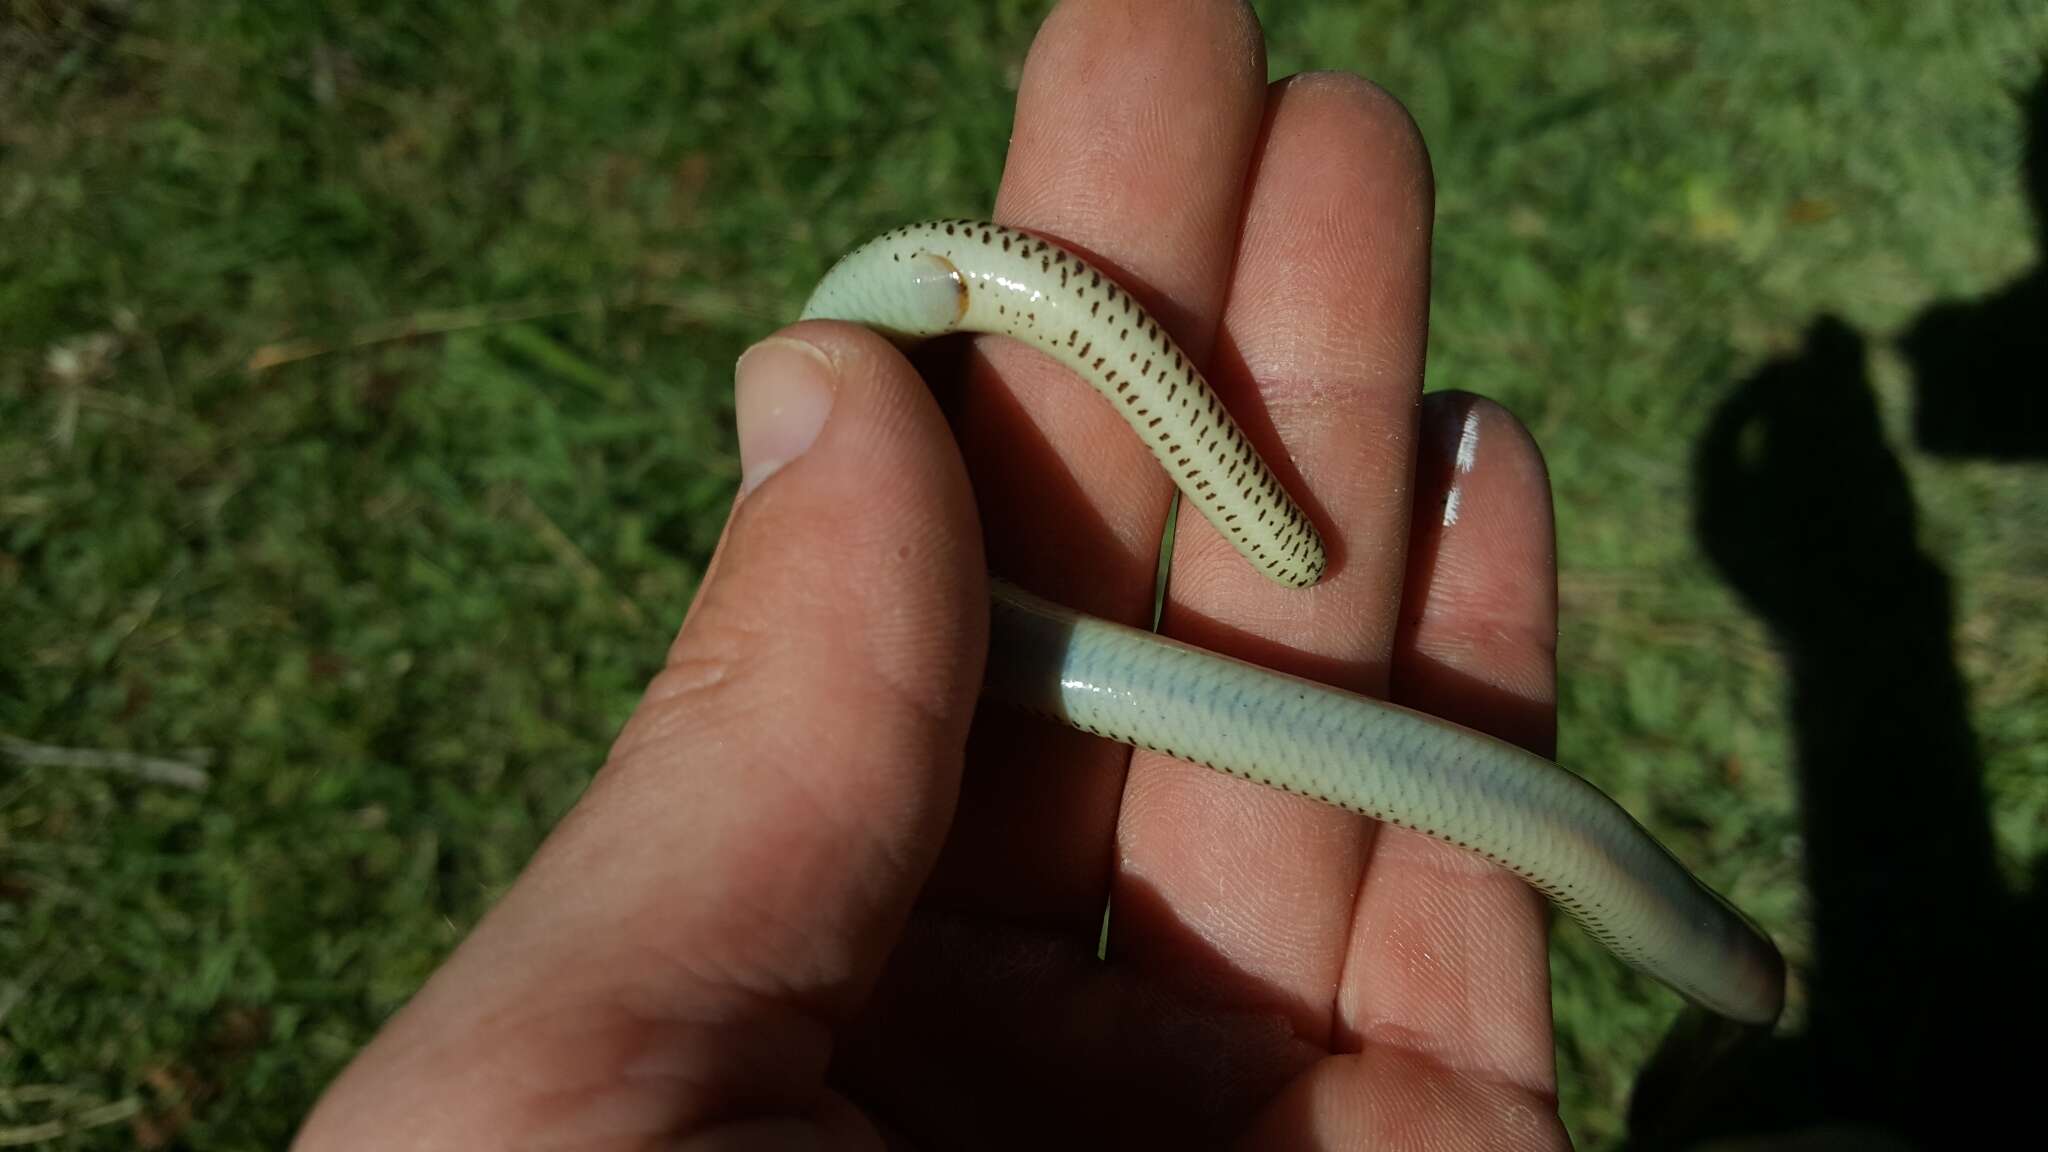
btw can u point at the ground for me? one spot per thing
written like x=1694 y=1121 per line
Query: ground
x=365 y=426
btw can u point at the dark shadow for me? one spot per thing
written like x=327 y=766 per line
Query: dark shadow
x=1039 y=799
x=1805 y=510
x=1924 y=992
x=1981 y=389
x=988 y=1033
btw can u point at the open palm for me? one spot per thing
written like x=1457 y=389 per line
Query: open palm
x=784 y=913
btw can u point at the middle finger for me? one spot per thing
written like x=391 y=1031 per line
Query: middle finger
x=1243 y=892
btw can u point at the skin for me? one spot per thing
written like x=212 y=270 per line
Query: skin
x=813 y=899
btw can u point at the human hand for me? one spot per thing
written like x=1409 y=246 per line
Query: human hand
x=783 y=916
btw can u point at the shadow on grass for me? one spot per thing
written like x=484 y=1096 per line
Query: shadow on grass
x=1978 y=364
x=1925 y=994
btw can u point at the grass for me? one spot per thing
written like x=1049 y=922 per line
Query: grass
x=364 y=428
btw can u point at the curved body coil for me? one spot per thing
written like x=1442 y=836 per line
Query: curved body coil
x=1517 y=809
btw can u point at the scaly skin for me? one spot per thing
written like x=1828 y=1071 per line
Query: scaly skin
x=1519 y=810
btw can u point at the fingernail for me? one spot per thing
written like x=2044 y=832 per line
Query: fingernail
x=1454 y=420
x=782 y=393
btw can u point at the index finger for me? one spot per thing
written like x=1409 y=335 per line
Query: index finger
x=1136 y=120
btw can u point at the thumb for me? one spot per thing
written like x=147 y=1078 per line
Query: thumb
x=683 y=947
